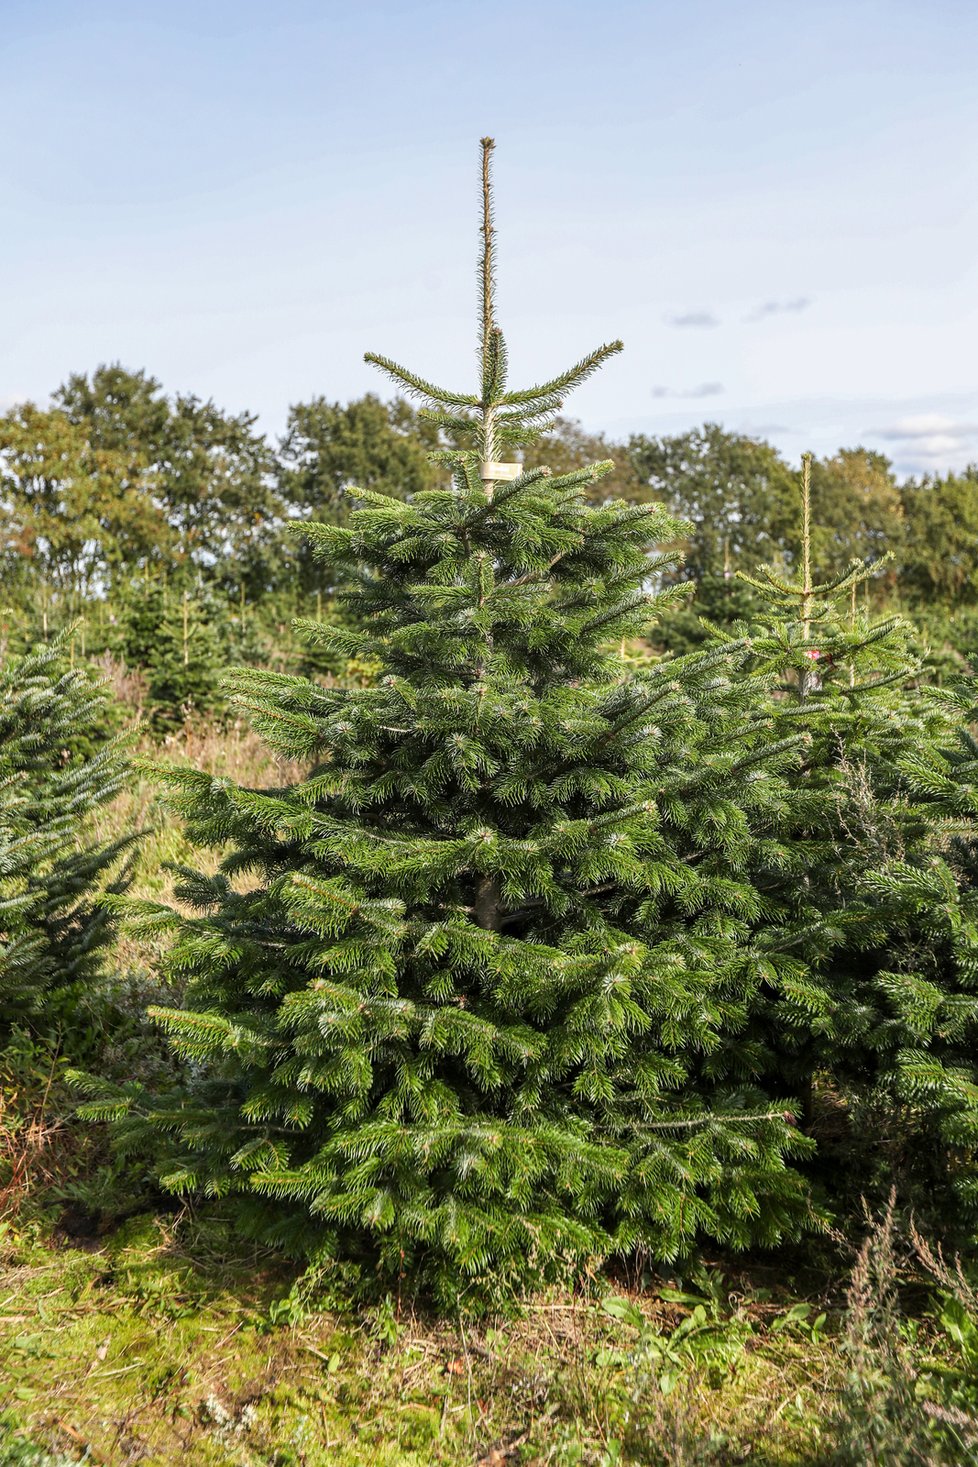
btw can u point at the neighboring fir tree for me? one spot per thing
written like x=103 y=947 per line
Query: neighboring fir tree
x=470 y=1001
x=715 y=602
x=53 y=866
x=179 y=641
x=873 y=1015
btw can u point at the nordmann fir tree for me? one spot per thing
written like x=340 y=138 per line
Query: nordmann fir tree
x=872 y=1013
x=53 y=867
x=464 y=1003
x=175 y=634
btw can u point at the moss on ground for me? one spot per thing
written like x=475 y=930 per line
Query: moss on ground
x=130 y=1352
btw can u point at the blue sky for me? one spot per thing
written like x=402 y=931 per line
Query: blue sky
x=775 y=205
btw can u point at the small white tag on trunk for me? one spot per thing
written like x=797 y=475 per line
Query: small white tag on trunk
x=489 y=471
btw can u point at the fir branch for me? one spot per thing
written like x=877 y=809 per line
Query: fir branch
x=418 y=386
x=566 y=381
x=686 y=1123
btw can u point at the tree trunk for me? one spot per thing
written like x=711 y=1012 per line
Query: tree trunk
x=488 y=907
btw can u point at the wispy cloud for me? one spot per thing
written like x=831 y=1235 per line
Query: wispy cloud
x=701 y=317
x=703 y=389
x=691 y=318
x=930 y=436
x=927 y=434
x=779 y=308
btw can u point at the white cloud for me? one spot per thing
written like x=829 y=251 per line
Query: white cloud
x=931 y=436
x=779 y=308
x=927 y=425
x=692 y=318
x=703 y=389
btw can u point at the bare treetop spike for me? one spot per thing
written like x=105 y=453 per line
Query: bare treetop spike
x=487 y=280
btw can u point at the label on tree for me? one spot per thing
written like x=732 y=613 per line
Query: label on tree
x=495 y=471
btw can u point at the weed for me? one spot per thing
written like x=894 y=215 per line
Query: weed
x=798 y=1320
x=879 y=1421
x=17 y=1451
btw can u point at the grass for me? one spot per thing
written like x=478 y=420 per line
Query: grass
x=163 y=1343
x=235 y=752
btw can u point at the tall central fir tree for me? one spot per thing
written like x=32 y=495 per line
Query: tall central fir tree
x=470 y=1001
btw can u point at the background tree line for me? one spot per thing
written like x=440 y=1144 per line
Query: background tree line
x=162 y=521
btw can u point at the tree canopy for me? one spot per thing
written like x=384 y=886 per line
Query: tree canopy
x=736 y=493
x=210 y=472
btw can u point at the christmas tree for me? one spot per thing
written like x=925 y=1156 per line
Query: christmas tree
x=470 y=1000
x=174 y=636
x=867 y=901
x=53 y=868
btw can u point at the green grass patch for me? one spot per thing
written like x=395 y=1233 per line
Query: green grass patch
x=163 y=1344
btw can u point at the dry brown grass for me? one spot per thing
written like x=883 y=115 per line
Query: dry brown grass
x=232 y=751
x=33 y=1133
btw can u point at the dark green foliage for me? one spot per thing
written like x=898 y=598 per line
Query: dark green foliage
x=177 y=639
x=740 y=498
x=941 y=558
x=566 y=447
x=331 y=447
x=857 y=512
x=119 y=480
x=471 y=1001
x=944 y=642
x=53 y=934
x=736 y=493
x=874 y=1015
x=715 y=600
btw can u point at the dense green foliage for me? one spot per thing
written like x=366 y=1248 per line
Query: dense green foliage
x=180 y=641
x=874 y=1016
x=737 y=496
x=53 y=934
x=481 y=1007
x=91 y=502
x=118 y=481
x=207 y=474
x=586 y=921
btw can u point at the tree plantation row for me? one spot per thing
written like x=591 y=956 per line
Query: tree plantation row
x=120 y=503
x=537 y=948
